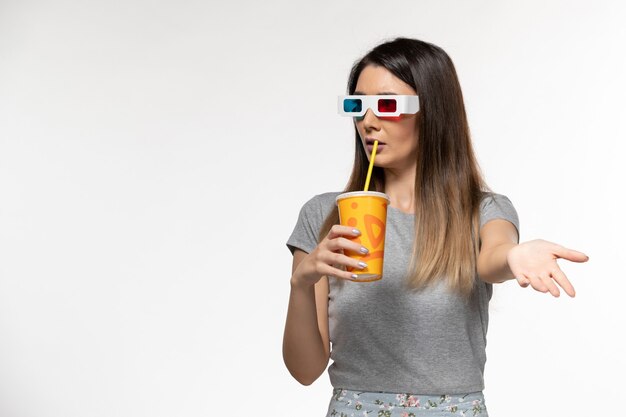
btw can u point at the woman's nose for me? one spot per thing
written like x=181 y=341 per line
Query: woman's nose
x=370 y=119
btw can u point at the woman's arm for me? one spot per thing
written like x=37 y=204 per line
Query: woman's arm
x=532 y=262
x=497 y=237
x=306 y=346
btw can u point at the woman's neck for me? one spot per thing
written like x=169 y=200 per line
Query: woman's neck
x=401 y=190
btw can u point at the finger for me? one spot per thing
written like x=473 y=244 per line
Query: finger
x=353 y=245
x=338 y=271
x=341 y=230
x=545 y=278
x=346 y=263
x=537 y=283
x=522 y=281
x=571 y=255
x=338 y=243
x=562 y=280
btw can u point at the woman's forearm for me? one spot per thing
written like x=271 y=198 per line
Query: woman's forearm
x=303 y=347
x=493 y=266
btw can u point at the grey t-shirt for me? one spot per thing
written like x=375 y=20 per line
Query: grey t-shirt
x=387 y=338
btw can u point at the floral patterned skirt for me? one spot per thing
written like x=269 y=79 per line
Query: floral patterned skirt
x=348 y=403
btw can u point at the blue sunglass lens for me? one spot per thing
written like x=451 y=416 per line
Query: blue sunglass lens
x=352 y=105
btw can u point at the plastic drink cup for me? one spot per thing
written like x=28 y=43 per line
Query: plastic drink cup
x=366 y=211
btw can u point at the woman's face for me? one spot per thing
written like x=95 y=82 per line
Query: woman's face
x=397 y=136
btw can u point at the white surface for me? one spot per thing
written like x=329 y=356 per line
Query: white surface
x=143 y=267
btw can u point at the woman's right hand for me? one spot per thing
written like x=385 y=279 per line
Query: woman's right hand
x=328 y=254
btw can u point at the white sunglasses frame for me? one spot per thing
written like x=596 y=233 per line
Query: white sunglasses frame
x=406 y=104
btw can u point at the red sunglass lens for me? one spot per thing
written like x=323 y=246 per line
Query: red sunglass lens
x=387 y=105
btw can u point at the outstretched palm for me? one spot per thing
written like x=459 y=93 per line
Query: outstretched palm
x=534 y=263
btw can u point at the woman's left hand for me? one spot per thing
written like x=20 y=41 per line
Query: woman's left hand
x=534 y=263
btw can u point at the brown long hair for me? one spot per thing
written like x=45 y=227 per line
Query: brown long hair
x=449 y=184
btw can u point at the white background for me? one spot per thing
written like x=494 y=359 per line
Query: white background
x=154 y=156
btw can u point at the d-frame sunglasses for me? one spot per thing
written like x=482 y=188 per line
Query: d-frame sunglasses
x=385 y=106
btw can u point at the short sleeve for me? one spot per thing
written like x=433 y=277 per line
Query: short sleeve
x=306 y=230
x=498 y=206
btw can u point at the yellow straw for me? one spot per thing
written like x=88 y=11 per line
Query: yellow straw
x=369 y=170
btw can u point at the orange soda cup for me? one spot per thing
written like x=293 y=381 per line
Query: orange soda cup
x=366 y=211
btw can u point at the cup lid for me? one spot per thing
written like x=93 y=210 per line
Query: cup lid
x=362 y=193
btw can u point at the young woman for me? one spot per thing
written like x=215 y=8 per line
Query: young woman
x=412 y=343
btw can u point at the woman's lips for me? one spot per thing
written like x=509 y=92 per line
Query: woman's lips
x=380 y=147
